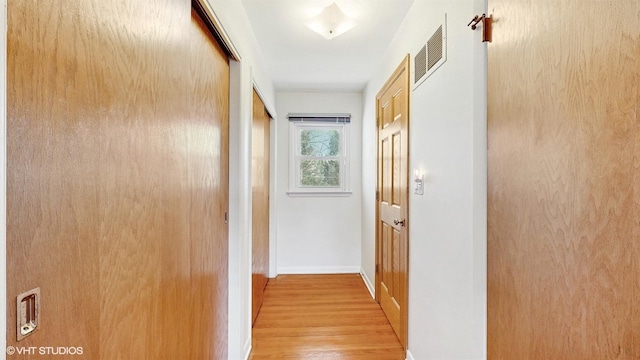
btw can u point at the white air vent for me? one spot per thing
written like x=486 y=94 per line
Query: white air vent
x=420 y=62
x=431 y=55
x=435 y=48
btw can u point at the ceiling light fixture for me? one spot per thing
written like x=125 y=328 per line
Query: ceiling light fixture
x=331 y=22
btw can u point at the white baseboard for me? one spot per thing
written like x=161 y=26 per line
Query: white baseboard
x=368 y=283
x=247 y=349
x=409 y=356
x=299 y=270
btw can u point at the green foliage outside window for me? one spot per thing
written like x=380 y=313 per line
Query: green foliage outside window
x=321 y=172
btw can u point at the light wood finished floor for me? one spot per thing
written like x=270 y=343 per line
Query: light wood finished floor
x=331 y=317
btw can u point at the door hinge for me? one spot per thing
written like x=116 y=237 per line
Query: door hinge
x=377 y=268
x=226 y=217
x=377 y=195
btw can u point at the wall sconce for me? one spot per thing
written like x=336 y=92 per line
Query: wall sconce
x=418 y=178
x=331 y=22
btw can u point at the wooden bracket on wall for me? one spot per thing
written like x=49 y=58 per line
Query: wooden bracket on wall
x=486 y=26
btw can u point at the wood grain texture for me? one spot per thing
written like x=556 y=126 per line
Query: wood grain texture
x=260 y=203
x=563 y=167
x=322 y=317
x=52 y=197
x=118 y=180
x=208 y=144
x=635 y=249
x=392 y=240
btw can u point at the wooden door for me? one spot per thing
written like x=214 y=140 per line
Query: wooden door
x=564 y=180
x=392 y=199
x=117 y=180
x=260 y=203
x=53 y=215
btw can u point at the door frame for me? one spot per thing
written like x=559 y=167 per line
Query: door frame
x=404 y=313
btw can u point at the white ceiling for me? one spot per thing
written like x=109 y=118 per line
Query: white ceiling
x=299 y=59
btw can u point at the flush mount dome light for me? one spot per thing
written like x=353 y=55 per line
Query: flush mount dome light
x=331 y=22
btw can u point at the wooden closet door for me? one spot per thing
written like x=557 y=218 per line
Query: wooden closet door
x=563 y=178
x=260 y=205
x=54 y=93
x=117 y=178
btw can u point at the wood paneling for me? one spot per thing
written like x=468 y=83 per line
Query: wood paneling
x=635 y=248
x=208 y=144
x=563 y=191
x=53 y=102
x=322 y=317
x=392 y=241
x=260 y=203
x=117 y=178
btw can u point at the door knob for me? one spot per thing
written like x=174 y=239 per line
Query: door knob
x=398 y=222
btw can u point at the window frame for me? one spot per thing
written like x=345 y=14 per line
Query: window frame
x=296 y=158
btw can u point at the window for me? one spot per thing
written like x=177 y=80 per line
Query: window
x=319 y=161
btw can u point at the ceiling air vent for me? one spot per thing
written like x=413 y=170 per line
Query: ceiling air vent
x=431 y=56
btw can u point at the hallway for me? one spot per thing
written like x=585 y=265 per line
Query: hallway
x=322 y=317
x=164 y=160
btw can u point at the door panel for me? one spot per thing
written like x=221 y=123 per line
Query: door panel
x=208 y=144
x=392 y=209
x=52 y=202
x=260 y=202
x=563 y=154
x=117 y=178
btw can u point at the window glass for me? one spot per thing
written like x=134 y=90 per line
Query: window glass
x=320 y=142
x=320 y=173
x=319 y=161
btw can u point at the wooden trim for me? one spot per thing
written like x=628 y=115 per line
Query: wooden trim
x=376 y=279
x=403 y=67
x=407 y=189
x=214 y=25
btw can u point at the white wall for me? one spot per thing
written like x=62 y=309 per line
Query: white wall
x=318 y=234
x=246 y=74
x=447 y=226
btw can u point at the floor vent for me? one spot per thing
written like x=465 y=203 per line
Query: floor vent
x=431 y=56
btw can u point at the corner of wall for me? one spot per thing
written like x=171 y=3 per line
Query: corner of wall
x=410 y=356
x=247 y=349
x=368 y=283
x=235 y=281
x=367 y=198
